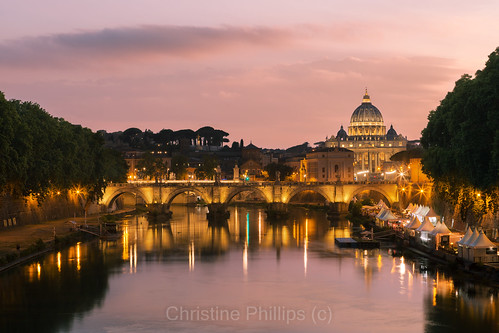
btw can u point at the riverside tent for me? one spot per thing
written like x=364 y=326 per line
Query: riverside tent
x=473 y=237
x=384 y=216
x=423 y=230
x=461 y=243
x=381 y=204
x=483 y=250
x=412 y=226
x=432 y=216
x=440 y=235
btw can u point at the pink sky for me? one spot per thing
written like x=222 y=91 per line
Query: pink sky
x=277 y=73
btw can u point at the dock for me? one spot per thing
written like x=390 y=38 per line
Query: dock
x=356 y=243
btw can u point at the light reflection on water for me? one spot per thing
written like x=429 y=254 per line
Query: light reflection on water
x=274 y=276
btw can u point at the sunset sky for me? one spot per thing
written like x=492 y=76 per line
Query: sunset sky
x=274 y=72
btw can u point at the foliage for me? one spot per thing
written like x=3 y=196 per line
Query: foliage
x=207 y=170
x=284 y=170
x=461 y=141
x=355 y=212
x=179 y=166
x=41 y=154
x=406 y=155
x=152 y=166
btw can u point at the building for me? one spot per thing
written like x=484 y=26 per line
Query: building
x=327 y=165
x=368 y=139
x=251 y=167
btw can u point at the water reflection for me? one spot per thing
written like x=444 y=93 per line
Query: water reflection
x=247 y=260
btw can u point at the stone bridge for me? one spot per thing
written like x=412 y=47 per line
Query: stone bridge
x=221 y=193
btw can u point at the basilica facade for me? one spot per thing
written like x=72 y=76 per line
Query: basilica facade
x=368 y=139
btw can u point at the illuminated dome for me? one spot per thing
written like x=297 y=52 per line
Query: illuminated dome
x=367 y=121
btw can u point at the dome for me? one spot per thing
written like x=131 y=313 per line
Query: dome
x=366 y=113
x=391 y=134
x=366 y=122
x=342 y=134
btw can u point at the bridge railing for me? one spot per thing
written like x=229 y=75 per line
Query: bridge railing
x=137 y=183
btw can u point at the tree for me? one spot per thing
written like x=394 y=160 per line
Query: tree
x=207 y=170
x=152 y=166
x=283 y=169
x=461 y=141
x=179 y=166
x=41 y=154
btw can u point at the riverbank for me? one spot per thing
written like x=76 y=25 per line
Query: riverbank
x=486 y=274
x=23 y=243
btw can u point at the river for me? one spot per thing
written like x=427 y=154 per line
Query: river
x=248 y=275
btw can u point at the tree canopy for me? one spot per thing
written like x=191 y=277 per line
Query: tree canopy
x=461 y=139
x=41 y=153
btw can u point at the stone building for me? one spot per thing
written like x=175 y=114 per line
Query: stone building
x=328 y=165
x=368 y=139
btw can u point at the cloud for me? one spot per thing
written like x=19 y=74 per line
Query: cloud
x=275 y=106
x=135 y=42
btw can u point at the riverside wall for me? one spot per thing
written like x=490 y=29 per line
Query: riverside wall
x=24 y=211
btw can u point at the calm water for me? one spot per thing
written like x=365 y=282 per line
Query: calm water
x=248 y=275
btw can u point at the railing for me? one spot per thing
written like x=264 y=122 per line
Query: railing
x=242 y=183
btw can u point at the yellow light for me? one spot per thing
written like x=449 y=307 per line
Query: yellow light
x=478 y=195
x=422 y=191
x=403 y=189
x=77 y=191
x=58 y=192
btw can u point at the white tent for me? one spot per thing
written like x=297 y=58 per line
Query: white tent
x=461 y=243
x=483 y=250
x=466 y=236
x=426 y=226
x=440 y=235
x=381 y=204
x=409 y=207
x=413 y=224
x=423 y=230
x=482 y=241
x=432 y=215
x=387 y=216
x=440 y=228
x=381 y=213
x=470 y=240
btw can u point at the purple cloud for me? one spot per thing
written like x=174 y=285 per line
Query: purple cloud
x=134 y=42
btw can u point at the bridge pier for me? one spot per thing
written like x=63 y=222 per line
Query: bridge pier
x=217 y=212
x=277 y=211
x=337 y=209
x=159 y=211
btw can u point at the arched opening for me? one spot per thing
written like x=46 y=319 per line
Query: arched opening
x=246 y=196
x=125 y=200
x=369 y=197
x=189 y=198
x=308 y=197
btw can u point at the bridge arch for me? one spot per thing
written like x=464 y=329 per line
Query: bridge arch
x=316 y=189
x=172 y=195
x=108 y=200
x=377 y=189
x=242 y=189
